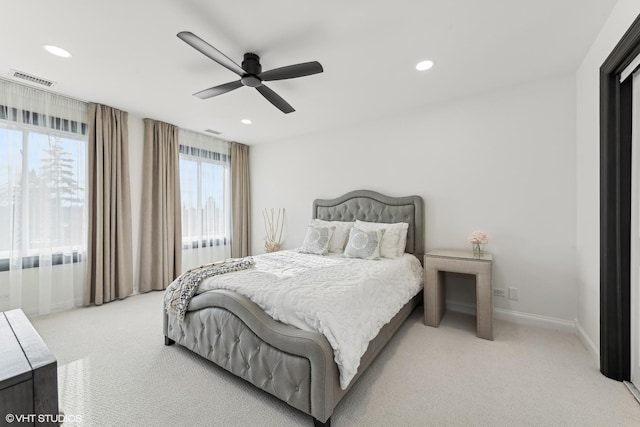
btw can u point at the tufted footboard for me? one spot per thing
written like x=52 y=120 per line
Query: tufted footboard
x=294 y=365
x=220 y=336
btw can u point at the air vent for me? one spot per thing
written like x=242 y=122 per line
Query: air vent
x=215 y=132
x=31 y=78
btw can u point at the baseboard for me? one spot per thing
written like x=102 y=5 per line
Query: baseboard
x=586 y=341
x=547 y=322
x=518 y=317
x=461 y=307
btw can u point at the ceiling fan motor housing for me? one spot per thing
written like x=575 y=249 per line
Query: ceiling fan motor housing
x=251 y=65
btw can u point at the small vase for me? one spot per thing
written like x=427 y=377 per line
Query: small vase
x=478 y=249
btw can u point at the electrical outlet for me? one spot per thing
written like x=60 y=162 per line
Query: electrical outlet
x=513 y=294
x=4 y=297
x=498 y=292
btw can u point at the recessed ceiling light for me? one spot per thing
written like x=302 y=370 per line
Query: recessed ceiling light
x=246 y=121
x=57 y=51
x=424 y=65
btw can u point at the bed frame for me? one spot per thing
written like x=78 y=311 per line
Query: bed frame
x=294 y=365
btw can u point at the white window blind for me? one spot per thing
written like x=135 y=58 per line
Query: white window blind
x=205 y=190
x=43 y=216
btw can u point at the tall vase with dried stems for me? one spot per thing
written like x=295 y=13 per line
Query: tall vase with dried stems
x=273 y=226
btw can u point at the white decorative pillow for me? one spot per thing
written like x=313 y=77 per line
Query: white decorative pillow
x=364 y=244
x=402 y=243
x=340 y=236
x=316 y=241
x=391 y=240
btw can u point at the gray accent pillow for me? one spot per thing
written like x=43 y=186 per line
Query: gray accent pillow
x=393 y=244
x=364 y=244
x=316 y=241
x=339 y=239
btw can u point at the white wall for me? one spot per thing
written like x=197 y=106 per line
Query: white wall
x=588 y=170
x=503 y=163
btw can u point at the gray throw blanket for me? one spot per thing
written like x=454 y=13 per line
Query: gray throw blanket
x=179 y=293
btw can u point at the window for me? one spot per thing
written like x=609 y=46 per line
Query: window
x=205 y=197
x=42 y=182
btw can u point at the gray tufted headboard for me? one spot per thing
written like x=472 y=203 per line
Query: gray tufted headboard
x=367 y=205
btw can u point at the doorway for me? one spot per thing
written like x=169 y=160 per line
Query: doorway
x=616 y=269
x=635 y=236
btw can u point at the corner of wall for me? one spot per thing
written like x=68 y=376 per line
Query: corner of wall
x=588 y=344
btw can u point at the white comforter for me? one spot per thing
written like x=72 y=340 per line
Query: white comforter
x=347 y=300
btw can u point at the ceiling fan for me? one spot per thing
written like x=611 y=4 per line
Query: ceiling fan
x=250 y=73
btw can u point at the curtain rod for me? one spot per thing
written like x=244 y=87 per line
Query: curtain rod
x=87 y=102
x=43 y=90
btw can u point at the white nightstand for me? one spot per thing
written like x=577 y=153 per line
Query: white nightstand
x=439 y=261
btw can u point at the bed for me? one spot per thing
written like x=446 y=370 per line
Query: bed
x=293 y=364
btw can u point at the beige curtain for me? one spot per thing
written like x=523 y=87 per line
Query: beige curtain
x=109 y=254
x=240 y=201
x=161 y=237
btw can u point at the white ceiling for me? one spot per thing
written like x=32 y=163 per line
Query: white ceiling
x=126 y=54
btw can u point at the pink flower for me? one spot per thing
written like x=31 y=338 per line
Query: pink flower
x=478 y=237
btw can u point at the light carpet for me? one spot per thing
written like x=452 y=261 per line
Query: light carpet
x=114 y=370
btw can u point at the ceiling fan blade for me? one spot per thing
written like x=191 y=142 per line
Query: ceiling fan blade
x=292 y=71
x=275 y=99
x=218 y=90
x=205 y=48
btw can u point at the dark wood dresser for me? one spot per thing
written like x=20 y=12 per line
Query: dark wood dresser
x=28 y=374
